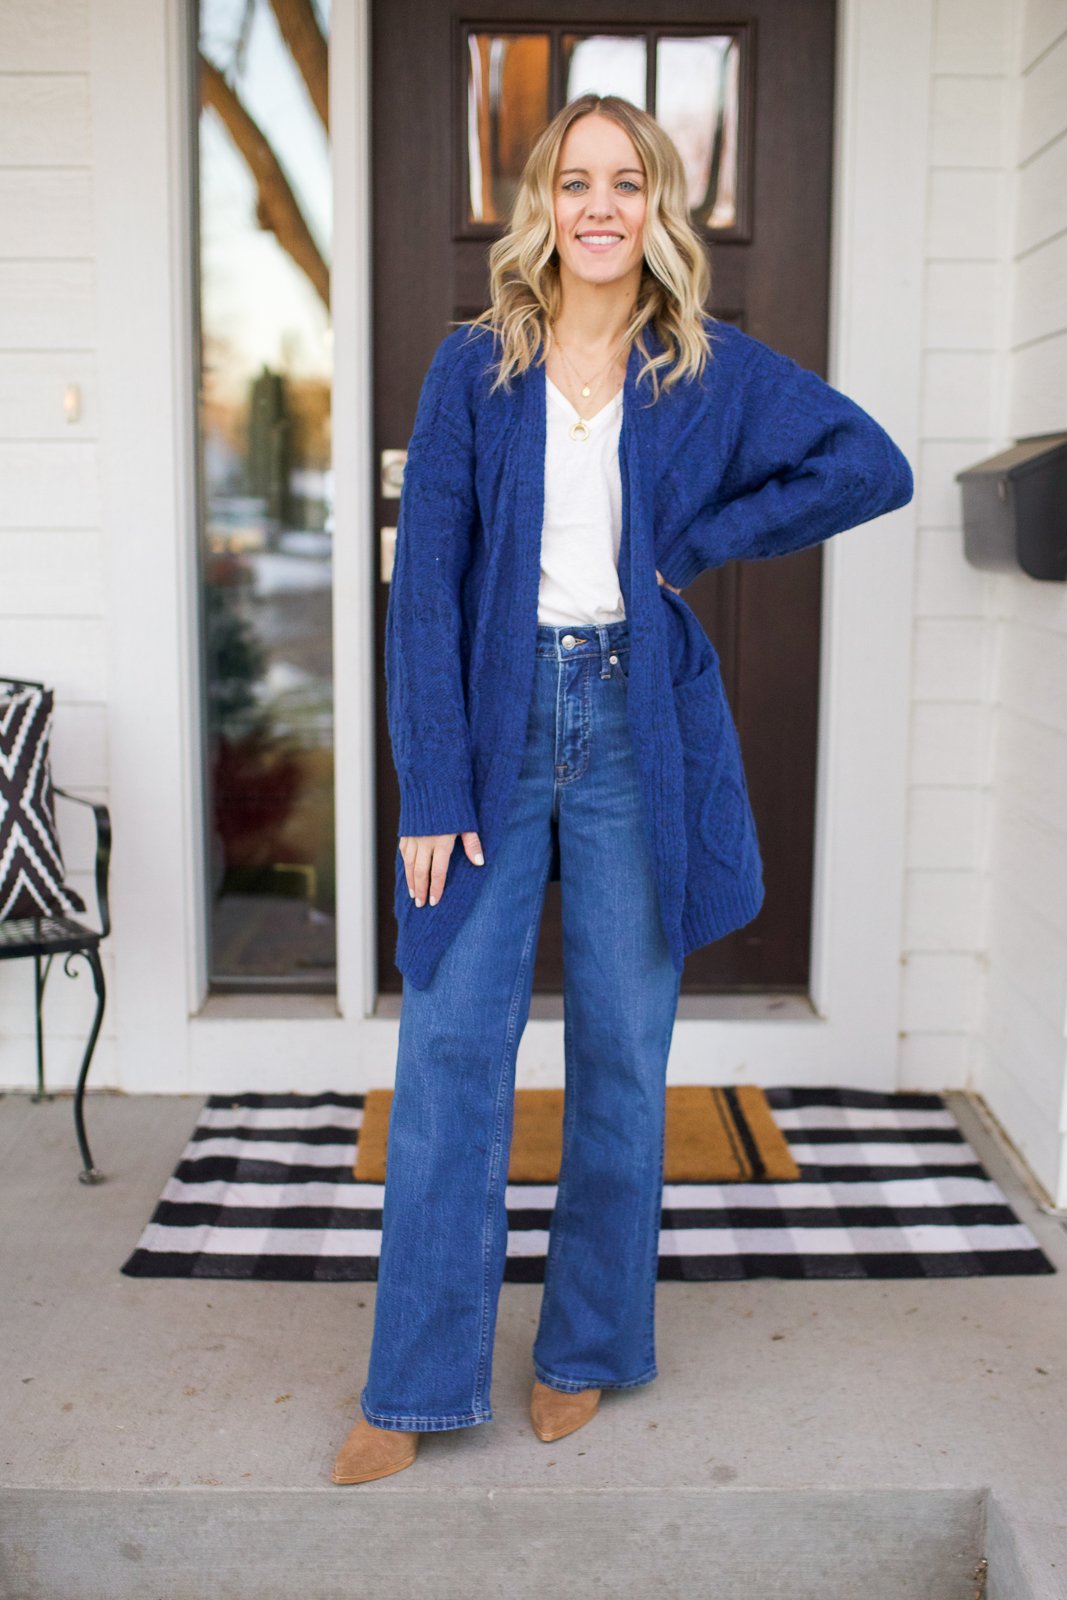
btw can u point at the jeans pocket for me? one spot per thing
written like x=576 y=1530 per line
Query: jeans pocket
x=620 y=666
x=716 y=799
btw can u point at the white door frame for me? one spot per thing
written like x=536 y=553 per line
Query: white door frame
x=171 y=1037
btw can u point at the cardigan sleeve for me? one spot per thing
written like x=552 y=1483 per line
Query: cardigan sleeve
x=425 y=700
x=803 y=462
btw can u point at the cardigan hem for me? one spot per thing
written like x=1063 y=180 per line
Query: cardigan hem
x=425 y=932
x=419 y=951
x=713 y=918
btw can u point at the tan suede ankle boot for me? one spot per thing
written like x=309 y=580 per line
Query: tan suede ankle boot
x=555 y=1413
x=371 y=1452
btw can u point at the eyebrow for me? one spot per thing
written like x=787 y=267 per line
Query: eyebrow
x=586 y=169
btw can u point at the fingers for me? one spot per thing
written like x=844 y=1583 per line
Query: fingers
x=426 y=861
x=473 y=846
x=425 y=865
x=406 y=846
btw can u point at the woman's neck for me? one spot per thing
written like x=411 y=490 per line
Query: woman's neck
x=586 y=341
x=592 y=321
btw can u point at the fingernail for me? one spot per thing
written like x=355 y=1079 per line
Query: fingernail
x=433 y=900
x=480 y=859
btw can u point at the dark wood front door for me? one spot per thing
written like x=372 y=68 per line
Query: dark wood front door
x=457 y=97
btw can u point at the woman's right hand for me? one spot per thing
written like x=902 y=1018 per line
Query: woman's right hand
x=426 y=858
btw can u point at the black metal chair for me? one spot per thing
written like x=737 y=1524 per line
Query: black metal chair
x=49 y=936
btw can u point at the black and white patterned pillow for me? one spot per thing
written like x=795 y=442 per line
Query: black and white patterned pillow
x=31 y=864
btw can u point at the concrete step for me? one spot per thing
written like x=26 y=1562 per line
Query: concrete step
x=169 y=1438
x=388 y=1539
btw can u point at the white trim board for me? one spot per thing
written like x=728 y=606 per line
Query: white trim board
x=142 y=292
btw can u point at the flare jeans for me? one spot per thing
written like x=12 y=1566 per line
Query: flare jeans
x=444 y=1217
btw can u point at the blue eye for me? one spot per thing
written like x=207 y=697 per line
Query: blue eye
x=571 y=181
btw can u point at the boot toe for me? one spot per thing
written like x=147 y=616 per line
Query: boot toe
x=371 y=1452
x=555 y=1413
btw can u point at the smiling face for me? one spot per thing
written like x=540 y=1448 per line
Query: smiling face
x=599 y=201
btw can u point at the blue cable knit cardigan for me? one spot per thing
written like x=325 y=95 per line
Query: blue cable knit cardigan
x=759 y=458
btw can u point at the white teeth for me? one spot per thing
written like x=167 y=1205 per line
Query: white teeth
x=600 y=238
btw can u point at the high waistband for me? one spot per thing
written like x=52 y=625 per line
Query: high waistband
x=564 y=641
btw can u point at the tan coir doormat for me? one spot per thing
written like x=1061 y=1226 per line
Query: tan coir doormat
x=713 y=1135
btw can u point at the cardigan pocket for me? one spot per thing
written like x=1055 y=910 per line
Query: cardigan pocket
x=714 y=793
x=690 y=653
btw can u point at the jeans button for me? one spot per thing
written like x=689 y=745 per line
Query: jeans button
x=567 y=641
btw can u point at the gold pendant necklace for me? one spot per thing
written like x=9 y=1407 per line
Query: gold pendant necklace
x=580 y=430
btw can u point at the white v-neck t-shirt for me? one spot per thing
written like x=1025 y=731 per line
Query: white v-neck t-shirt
x=583 y=515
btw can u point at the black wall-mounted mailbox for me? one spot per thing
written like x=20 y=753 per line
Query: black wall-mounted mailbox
x=1015 y=508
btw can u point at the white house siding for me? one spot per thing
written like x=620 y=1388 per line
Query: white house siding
x=944 y=922
x=985 y=935
x=1023 y=1047
x=51 y=585
x=952 y=664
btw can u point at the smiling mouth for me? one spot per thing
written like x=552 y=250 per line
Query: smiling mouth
x=598 y=241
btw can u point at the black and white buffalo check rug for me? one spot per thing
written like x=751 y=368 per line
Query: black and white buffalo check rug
x=889 y=1188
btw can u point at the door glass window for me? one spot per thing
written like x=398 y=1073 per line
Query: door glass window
x=517 y=79
x=697 y=104
x=501 y=69
x=599 y=63
x=263 y=227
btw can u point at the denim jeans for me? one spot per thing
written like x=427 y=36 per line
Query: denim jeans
x=444 y=1221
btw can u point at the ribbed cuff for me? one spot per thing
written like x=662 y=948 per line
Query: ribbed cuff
x=442 y=805
x=679 y=565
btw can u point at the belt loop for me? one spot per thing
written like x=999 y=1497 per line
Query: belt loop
x=602 y=635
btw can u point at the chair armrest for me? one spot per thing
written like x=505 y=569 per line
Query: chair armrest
x=103 y=852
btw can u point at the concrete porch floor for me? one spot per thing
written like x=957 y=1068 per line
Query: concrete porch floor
x=166 y=1440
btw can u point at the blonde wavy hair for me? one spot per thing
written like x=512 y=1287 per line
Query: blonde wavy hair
x=525 y=292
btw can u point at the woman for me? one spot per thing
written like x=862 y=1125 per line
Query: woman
x=557 y=709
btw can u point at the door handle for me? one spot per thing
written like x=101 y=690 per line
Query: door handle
x=391 y=473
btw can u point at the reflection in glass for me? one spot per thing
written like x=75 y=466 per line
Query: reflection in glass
x=264 y=231
x=697 y=104
x=507 y=106
x=696 y=95
x=605 y=64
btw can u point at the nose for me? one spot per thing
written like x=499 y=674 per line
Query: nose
x=600 y=205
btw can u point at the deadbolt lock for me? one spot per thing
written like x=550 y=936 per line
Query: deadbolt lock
x=386 y=553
